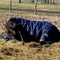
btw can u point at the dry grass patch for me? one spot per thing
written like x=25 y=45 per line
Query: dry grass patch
x=14 y=50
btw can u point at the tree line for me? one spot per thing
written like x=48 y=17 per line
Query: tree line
x=42 y=1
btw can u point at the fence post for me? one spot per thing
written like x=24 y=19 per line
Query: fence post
x=35 y=7
x=53 y=1
x=19 y=1
x=10 y=5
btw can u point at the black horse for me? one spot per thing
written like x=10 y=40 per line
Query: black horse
x=38 y=31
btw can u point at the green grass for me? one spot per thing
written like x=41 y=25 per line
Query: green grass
x=54 y=7
x=4 y=5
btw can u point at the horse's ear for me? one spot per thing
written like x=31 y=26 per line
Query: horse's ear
x=11 y=23
x=13 y=19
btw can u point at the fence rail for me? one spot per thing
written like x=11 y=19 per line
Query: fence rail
x=30 y=10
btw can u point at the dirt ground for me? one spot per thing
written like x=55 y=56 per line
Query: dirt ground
x=14 y=50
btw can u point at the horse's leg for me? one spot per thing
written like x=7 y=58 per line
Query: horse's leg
x=21 y=37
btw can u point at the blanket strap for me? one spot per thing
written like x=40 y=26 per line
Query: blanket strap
x=21 y=37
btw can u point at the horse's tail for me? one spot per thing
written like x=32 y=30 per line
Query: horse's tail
x=59 y=33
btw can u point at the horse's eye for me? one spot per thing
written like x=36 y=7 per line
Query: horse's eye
x=12 y=24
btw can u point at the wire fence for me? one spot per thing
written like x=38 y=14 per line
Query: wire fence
x=33 y=6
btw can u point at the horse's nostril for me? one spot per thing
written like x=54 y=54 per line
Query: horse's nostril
x=4 y=35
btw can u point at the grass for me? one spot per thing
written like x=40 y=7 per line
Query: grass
x=54 y=7
x=14 y=50
x=29 y=13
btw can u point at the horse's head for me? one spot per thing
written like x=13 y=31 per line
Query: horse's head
x=11 y=25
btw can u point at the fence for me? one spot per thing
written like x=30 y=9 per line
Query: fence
x=39 y=1
x=33 y=6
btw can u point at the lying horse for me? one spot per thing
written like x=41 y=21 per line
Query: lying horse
x=38 y=31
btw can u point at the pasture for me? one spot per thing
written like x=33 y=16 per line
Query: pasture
x=14 y=50
x=52 y=7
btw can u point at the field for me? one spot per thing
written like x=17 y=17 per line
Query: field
x=52 y=7
x=14 y=50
